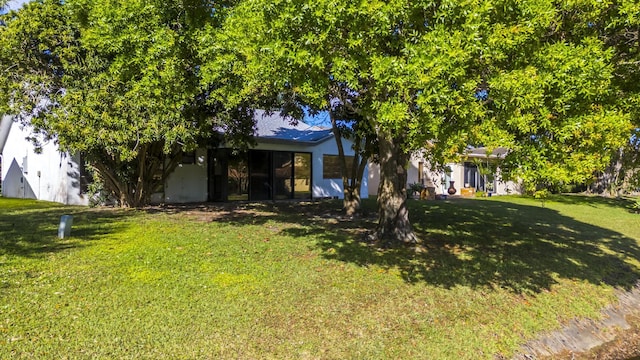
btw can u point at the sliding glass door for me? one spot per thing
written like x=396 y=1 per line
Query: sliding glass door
x=259 y=175
x=260 y=183
x=283 y=175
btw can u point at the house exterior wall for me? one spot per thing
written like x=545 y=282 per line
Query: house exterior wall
x=373 y=178
x=440 y=180
x=500 y=187
x=322 y=187
x=457 y=176
x=188 y=183
x=55 y=176
x=507 y=187
x=50 y=175
x=431 y=178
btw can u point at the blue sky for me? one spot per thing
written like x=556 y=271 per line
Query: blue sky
x=321 y=119
x=15 y=4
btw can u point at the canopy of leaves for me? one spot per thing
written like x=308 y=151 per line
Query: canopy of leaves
x=118 y=81
x=536 y=77
x=114 y=75
x=557 y=83
x=620 y=29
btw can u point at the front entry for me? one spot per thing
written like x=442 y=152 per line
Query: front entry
x=258 y=175
x=472 y=176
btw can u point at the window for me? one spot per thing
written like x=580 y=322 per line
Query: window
x=189 y=157
x=282 y=175
x=470 y=174
x=302 y=175
x=237 y=176
x=331 y=166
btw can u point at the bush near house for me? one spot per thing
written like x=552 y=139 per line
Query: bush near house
x=294 y=280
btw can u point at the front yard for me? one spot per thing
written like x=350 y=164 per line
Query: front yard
x=294 y=280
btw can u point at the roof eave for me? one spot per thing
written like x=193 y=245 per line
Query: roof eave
x=292 y=141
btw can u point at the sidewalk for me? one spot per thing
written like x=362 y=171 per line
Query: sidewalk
x=615 y=336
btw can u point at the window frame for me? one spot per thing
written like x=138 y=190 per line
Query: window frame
x=336 y=167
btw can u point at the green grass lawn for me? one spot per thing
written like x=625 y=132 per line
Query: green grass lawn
x=293 y=280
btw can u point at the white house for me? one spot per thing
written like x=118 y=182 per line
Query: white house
x=465 y=178
x=49 y=174
x=289 y=162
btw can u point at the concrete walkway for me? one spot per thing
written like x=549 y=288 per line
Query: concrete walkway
x=580 y=336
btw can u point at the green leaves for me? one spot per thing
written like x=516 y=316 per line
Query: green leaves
x=559 y=81
x=418 y=69
x=120 y=80
x=557 y=111
x=31 y=69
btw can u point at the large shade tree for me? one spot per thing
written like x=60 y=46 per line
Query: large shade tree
x=532 y=76
x=117 y=81
x=619 y=28
x=236 y=64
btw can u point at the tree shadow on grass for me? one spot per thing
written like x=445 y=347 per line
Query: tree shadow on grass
x=239 y=213
x=31 y=230
x=626 y=203
x=524 y=249
x=495 y=243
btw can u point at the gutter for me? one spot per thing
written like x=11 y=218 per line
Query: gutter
x=5 y=127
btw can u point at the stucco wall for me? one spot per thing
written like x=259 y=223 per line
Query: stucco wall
x=431 y=178
x=439 y=179
x=321 y=187
x=49 y=175
x=188 y=182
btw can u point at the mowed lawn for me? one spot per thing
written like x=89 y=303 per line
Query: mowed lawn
x=296 y=281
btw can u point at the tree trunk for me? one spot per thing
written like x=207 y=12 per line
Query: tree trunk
x=351 y=201
x=350 y=187
x=393 y=216
x=352 y=197
x=133 y=182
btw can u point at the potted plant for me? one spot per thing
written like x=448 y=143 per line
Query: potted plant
x=489 y=188
x=415 y=189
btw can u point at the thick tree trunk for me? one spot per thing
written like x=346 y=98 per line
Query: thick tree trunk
x=393 y=216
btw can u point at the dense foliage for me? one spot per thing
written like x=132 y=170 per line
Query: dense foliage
x=619 y=27
x=535 y=77
x=129 y=83
x=116 y=81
